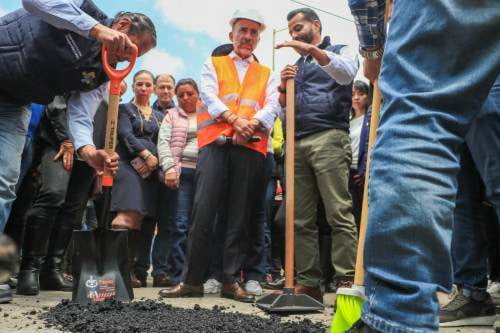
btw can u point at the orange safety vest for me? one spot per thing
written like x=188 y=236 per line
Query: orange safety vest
x=241 y=99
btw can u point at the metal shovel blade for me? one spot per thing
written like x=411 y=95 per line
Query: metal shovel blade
x=289 y=302
x=100 y=266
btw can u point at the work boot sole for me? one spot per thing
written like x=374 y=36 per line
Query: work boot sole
x=470 y=321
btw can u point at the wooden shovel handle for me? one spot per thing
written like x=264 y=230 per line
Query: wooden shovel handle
x=359 y=276
x=290 y=182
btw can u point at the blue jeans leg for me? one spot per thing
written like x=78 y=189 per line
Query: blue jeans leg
x=430 y=99
x=161 y=241
x=179 y=225
x=468 y=246
x=483 y=139
x=14 y=121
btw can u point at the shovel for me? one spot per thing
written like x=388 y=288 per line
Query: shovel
x=289 y=301
x=100 y=263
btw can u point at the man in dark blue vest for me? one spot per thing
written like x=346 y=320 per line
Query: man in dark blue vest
x=53 y=48
x=323 y=84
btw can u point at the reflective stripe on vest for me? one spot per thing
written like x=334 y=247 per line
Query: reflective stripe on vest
x=244 y=100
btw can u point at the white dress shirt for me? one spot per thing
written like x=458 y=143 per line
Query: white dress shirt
x=210 y=91
x=342 y=67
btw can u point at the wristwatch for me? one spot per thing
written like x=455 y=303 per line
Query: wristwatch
x=372 y=54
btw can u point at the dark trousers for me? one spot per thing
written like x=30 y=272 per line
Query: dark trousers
x=155 y=248
x=357 y=196
x=229 y=178
x=259 y=233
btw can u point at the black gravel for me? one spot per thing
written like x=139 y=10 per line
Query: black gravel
x=153 y=316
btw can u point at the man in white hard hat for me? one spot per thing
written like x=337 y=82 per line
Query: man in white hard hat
x=240 y=102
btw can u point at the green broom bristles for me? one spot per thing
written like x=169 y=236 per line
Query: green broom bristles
x=348 y=312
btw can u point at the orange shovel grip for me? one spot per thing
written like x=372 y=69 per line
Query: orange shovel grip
x=117 y=75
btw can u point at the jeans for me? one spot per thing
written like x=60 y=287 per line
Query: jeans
x=179 y=222
x=158 y=252
x=431 y=96
x=468 y=245
x=26 y=160
x=14 y=121
x=478 y=164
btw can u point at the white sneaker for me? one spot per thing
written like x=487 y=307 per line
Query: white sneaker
x=253 y=287
x=494 y=291
x=212 y=286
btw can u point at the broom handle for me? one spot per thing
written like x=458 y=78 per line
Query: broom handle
x=290 y=182
x=359 y=276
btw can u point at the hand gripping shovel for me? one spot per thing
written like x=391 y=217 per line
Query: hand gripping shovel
x=350 y=300
x=100 y=265
x=288 y=301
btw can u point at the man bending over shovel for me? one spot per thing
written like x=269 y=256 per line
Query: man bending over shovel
x=52 y=48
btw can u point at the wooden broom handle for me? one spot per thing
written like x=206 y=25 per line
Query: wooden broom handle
x=290 y=182
x=359 y=276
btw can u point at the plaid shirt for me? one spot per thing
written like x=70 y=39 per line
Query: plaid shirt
x=369 y=18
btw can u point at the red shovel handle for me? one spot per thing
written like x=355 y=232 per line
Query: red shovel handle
x=117 y=75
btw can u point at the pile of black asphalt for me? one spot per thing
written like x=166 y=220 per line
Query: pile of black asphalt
x=155 y=316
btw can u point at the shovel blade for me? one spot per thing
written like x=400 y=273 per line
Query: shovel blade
x=100 y=266
x=289 y=302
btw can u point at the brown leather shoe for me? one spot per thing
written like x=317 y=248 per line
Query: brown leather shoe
x=314 y=292
x=182 y=290
x=236 y=292
x=162 y=280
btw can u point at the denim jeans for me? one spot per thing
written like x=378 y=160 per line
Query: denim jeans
x=158 y=251
x=182 y=202
x=479 y=163
x=14 y=121
x=435 y=77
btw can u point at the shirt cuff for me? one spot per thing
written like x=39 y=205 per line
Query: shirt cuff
x=262 y=116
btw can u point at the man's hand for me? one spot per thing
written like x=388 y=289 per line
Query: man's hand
x=66 y=152
x=117 y=43
x=98 y=158
x=371 y=68
x=243 y=128
x=239 y=140
x=359 y=181
x=287 y=73
x=300 y=47
x=171 y=178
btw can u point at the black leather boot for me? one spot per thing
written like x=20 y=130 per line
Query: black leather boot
x=51 y=274
x=36 y=237
x=133 y=239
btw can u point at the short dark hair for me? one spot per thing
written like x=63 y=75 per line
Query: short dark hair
x=143 y=71
x=165 y=74
x=309 y=15
x=361 y=86
x=189 y=81
x=140 y=24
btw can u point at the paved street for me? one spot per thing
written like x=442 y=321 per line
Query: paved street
x=22 y=313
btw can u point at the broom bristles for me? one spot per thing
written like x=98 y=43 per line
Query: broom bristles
x=348 y=312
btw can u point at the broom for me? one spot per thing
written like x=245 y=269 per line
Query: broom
x=350 y=300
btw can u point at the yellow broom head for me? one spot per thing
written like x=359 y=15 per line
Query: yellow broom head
x=349 y=305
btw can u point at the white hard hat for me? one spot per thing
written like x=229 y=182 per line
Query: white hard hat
x=248 y=14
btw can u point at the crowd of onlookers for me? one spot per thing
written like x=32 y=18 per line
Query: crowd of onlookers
x=199 y=182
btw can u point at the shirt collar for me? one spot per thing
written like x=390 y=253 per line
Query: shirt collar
x=236 y=57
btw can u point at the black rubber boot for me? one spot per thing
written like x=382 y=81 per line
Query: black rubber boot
x=133 y=239
x=51 y=275
x=36 y=237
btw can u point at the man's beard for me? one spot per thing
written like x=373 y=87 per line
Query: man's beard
x=307 y=38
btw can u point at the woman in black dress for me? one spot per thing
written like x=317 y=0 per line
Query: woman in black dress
x=136 y=183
